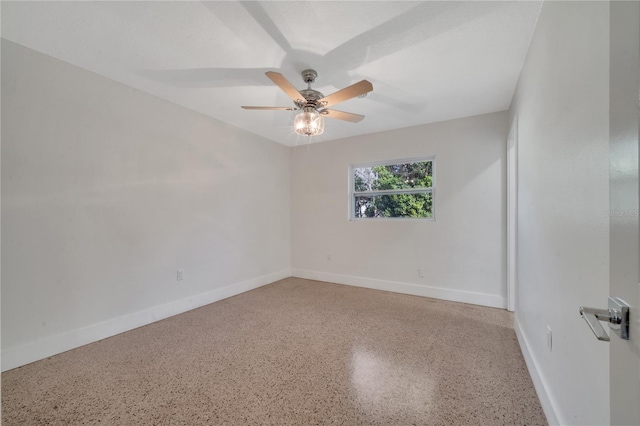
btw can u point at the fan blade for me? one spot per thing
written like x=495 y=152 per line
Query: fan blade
x=346 y=116
x=352 y=91
x=269 y=108
x=286 y=86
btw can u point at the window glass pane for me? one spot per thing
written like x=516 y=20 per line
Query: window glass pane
x=395 y=205
x=393 y=176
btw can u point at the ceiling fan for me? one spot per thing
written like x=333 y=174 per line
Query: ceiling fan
x=314 y=105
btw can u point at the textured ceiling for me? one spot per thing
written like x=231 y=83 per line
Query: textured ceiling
x=428 y=61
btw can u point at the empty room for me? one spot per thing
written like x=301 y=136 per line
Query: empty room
x=320 y=212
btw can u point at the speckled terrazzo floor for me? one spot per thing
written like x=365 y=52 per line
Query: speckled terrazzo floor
x=294 y=352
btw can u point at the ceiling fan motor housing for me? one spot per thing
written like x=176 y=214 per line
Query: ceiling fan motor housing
x=310 y=96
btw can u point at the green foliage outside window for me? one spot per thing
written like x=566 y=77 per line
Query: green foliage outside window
x=410 y=180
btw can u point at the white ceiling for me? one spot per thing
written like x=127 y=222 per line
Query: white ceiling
x=428 y=61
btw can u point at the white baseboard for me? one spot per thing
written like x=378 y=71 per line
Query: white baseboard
x=40 y=349
x=483 y=299
x=548 y=402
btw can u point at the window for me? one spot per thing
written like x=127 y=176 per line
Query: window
x=392 y=189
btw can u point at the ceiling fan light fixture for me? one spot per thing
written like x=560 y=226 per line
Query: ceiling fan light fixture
x=314 y=105
x=309 y=122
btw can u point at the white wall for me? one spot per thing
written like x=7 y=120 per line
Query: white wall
x=107 y=191
x=561 y=104
x=462 y=252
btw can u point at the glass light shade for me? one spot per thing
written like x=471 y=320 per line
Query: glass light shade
x=309 y=123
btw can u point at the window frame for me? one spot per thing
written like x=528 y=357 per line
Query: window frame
x=351 y=214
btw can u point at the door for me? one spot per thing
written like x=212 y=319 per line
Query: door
x=512 y=214
x=624 y=239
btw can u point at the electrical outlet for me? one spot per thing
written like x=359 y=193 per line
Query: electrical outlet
x=549 y=338
x=180 y=275
x=421 y=272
